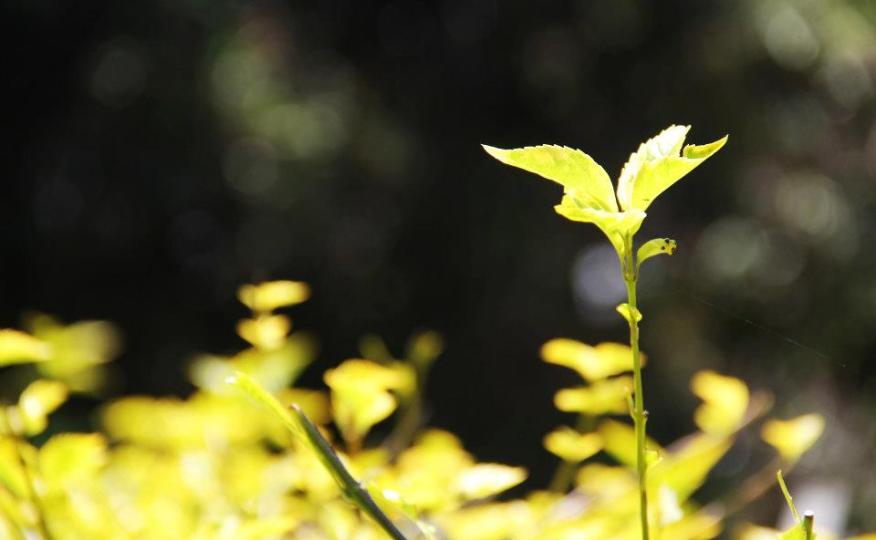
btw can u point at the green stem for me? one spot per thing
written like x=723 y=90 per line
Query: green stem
x=808 y=523
x=412 y=416
x=406 y=428
x=305 y=432
x=640 y=416
x=790 y=500
x=350 y=487
x=562 y=477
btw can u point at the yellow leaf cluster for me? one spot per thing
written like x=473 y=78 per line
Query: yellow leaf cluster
x=215 y=466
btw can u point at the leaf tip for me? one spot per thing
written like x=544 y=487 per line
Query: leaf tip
x=721 y=142
x=497 y=153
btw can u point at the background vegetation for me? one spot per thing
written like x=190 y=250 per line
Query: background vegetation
x=163 y=153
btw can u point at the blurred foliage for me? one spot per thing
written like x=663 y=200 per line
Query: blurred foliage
x=225 y=464
x=161 y=153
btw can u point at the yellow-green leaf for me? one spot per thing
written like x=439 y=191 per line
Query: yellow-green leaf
x=687 y=463
x=657 y=164
x=12 y=475
x=792 y=438
x=17 y=347
x=313 y=403
x=725 y=402
x=797 y=532
x=71 y=457
x=669 y=506
x=265 y=332
x=617 y=226
x=424 y=347
x=358 y=408
x=77 y=350
x=424 y=469
x=365 y=373
x=652 y=248
x=604 y=480
x=273 y=369
x=701 y=525
x=607 y=396
x=754 y=532
x=581 y=177
x=619 y=441
x=629 y=314
x=270 y=295
x=487 y=479
x=494 y=521
x=592 y=363
x=37 y=401
x=571 y=446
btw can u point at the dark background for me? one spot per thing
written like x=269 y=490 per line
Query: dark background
x=159 y=154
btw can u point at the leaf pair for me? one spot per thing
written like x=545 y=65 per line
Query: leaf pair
x=589 y=196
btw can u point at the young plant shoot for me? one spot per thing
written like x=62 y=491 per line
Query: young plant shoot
x=589 y=197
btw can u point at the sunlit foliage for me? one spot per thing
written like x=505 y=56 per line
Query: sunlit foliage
x=220 y=464
x=251 y=455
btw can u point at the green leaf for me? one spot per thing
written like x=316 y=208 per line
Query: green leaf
x=423 y=348
x=77 y=350
x=657 y=164
x=37 y=401
x=593 y=363
x=360 y=394
x=487 y=479
x=571 y=446
x=687 y=464
x=268 y=296
x=628 y=314
x=265 y=332
x=71 y=457
x=617 y=226
x=725 y=402
x=792 y=438
x=17 y=348
x=581 y=177
x=652 y=248
x=619 y=441
x=797 y=532
x=608 y=396
x=12 y=475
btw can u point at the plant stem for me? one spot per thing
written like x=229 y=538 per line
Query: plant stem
x=808 y=523
x=640 y=416
x=412 y=415
x=410 y=421
x=351 y=488
x=305 y=432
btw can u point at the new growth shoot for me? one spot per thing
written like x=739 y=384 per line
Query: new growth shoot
x=589 y=197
